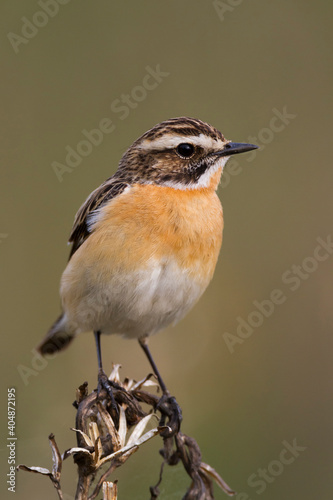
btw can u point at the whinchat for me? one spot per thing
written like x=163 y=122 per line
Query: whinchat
x=146 y=242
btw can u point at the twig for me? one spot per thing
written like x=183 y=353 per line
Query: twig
x=102 y=438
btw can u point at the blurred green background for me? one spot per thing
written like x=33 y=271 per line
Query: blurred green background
x=236 y=65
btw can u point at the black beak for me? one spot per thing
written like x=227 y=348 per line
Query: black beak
x=233 y=148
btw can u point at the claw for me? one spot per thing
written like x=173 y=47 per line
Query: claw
x=171 y=408
x=107 y=385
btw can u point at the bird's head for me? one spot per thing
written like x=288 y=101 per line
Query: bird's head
x=183 y=153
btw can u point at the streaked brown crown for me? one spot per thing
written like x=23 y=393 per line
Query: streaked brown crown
x=183 y=126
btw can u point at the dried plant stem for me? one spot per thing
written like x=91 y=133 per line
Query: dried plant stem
x=101 y=480
x=103 y=438
x=83 y=487
x=110 y=491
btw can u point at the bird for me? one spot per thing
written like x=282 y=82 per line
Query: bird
x=145 y=243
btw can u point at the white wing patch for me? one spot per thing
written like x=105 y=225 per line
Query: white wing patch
x=93 y=218
x=96 y=215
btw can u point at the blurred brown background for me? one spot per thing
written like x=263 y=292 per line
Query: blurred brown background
x=237 y=65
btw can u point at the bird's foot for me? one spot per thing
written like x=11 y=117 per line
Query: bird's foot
x=108 y=385
x=169 y=407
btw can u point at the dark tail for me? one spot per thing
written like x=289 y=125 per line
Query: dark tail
x=56 y=339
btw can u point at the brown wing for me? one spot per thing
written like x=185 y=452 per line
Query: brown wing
x=105 y=192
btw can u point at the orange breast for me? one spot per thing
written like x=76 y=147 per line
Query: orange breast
x=150 y=221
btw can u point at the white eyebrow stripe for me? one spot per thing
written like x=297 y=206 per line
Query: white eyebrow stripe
x=169 y=141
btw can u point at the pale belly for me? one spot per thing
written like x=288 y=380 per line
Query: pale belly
x=133 y=304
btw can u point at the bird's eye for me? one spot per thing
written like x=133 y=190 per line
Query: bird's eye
x=185 y=150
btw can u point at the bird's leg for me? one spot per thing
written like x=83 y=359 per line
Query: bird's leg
x=175 y=417
x=98 y=349
x=144 y=344
x=103 y=381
